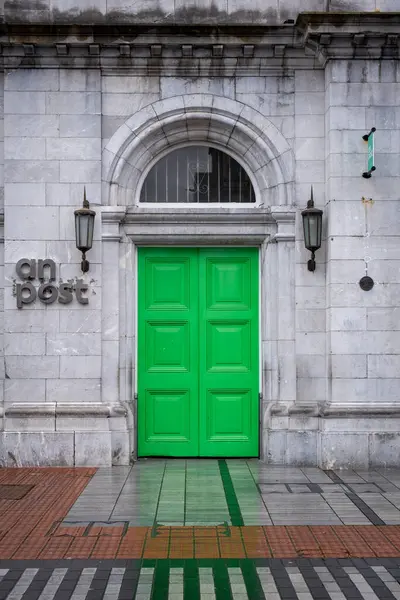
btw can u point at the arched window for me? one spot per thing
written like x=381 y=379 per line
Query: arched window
x=197 y=174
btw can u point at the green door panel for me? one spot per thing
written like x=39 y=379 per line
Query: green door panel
x=228 y=360
x=198 y=372
x=168 y=352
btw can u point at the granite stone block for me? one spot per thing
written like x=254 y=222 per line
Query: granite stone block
x=80 y=80
x=29 y=126
x=32 y=367
x=73 y=103
x=24 y=390
x=120 y=448
x=347 y=450
x=32 y=80
x=384 y=450
x=25 y=194
x=80 y=367
x=73 y=344
x=36 y=449
x=72 y=390
x=35 y=171
x=73 y=149
x=73 y=171
x=80 y=126
x=24 y=103
x=93 y=449
x=301 y=448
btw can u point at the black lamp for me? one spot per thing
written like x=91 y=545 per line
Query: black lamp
x=312 y=227
x=84 y=225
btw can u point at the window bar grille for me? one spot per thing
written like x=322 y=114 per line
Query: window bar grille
x=177 y=177
x=197 y=173
x=166 y=179
x=240 y=185
x=187 y=179
x=209 y=166
x=219 y=176
x=229 y=179
x=156 y=184
x=211 y=177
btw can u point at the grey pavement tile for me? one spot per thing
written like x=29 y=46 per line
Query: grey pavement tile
x=273 y=488
x=192 y=492
x=349 y=476
x=333 y=488
x=361 y=488
x=299 y=488
x=371 y=475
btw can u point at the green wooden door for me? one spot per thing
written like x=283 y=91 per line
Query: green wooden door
x=228 y=365
x=168 y=352
x=198 y=352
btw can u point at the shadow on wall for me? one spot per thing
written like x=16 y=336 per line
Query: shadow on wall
x=264 y=12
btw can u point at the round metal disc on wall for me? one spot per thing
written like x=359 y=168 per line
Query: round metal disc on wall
x=366 y=283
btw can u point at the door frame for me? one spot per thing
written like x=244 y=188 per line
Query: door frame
x=136 y=328
x=270 y=228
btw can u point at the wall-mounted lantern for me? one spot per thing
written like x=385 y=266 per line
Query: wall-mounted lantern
x=312 y=227
x=84 y=225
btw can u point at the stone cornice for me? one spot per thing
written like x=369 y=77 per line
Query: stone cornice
x=111 y=218
x=113 y=214
x=229 y=50
x=205 y=216
x=350 y=35
x=203 y=227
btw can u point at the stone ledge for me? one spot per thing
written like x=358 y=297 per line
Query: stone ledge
x=53 y=409
x=354 y=411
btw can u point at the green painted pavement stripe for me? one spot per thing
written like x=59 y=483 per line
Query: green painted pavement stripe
x=251 y=580
x=160 y=581
x=191 y=583
x=221 y=581
x=230 y=495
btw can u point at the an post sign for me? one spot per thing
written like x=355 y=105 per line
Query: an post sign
x=47 y=292
x=370 y=139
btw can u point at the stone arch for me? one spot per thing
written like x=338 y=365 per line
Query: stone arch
x=226 y=124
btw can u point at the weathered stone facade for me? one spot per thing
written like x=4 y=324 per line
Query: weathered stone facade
x=92 y=97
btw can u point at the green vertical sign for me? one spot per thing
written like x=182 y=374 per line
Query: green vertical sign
x=371 y=152
x=370 y=138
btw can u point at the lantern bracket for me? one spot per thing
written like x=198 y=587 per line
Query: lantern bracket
x=311 y=262
x=84 y=263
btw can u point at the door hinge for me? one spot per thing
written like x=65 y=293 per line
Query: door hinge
x=260 y=396
x=135 y=397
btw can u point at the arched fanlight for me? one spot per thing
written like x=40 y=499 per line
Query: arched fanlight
x=197 y=175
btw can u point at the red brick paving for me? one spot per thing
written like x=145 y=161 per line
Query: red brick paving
x=30 y=528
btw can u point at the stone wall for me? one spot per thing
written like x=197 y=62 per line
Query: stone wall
x=363 y=239
x=96 y=116
x=52 y=352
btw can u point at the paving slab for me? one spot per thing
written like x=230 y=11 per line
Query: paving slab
x=207 y=510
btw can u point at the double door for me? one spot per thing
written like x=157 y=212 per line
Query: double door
x=198 y=366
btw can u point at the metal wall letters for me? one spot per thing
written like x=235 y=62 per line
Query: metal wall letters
x=48 y=293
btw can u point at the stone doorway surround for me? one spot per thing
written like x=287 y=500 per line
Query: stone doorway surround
x=270 y=224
